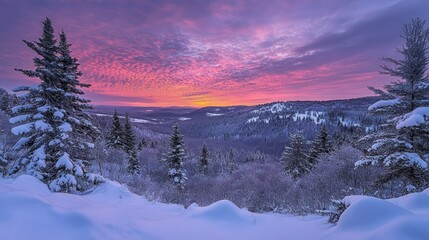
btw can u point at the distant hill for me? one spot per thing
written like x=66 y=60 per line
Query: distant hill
x=260 y=125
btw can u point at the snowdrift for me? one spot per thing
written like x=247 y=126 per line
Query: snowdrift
x=406 y=217
x=28 y=210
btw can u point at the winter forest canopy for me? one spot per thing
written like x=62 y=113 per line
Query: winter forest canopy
x=296 y=157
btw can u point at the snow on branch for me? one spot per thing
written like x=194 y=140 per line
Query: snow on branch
x=406 y=158
x=22 y=129
x=383 y=104
x=64 y=161
x=20 y=118
x=416 y=117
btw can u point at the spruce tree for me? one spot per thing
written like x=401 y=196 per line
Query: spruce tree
x=294 y=158
x=114 y=138
x=401 y=144
x=57 y=134
x=204 y=160
x=174 y=160
x=129 y=141
x=322 y=144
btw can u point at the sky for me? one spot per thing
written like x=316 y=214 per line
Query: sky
x=213 y=53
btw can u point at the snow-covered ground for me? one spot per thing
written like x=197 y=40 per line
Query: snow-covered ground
x=133 y=120
x=214 y=114
x=273 y=108
x=184 y=119
x=28 y=210
x=316 y=117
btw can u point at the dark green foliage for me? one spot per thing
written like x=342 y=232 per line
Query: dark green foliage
x=129 y=142
x=321 y=145
x=128 y=138
x=204 y=160
x=142 y=144
x=295 y=158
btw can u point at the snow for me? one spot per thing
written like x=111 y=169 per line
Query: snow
x=22 y=129
x=21 y=107
x=383 y=104
x=395 y=142
x=64 y=161
x=257 y=119
x=273 y=108
x=42 y=125
x=313 y=115
x=347 y=122
x=184 y=119
x=20 y=118
x=90 y=145
x=406 y=217
x=405 y=158
x=214 y=114
x=44 y=109
x=39 y=156
x=416 y=117
x=65 y=127
x=138 y=120
x=38 y=116
x=133 y=120
x=58 y=114
x=63 y=180
x=110 y=211
x=21 y=142
x=252 y=120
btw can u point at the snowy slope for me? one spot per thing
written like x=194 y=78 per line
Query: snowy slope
x=406 y=217
x=28 y=210
x=133 y=120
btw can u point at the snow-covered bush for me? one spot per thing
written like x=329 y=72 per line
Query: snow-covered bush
x=335 y=210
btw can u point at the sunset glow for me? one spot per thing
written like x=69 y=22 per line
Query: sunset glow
x=206 y=53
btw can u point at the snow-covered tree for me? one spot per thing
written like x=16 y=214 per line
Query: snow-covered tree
x=402 y=143
x=174 y=159
x=114 y=138
x=294 y=158
x=56 y=132
x=129 y=142
x=204 y=160
x=322 y=144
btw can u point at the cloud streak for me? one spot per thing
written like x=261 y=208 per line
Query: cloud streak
x=197 y=53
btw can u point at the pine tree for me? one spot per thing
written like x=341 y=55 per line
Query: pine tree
x=204 y=160
x=129 y=141
x=114 y=138
x=322 y=144
x=57 y=134
x=402 y=142
x=294 y=158
x=174 y=160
